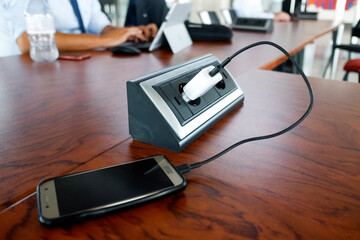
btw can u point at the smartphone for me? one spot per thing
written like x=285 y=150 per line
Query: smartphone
x=80 y=195
x=74 y=56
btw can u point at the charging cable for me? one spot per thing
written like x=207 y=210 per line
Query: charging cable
x=188 y=167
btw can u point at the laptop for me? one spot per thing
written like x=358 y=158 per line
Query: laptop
x=253 y=24
x=246 y=23
x=176 y=15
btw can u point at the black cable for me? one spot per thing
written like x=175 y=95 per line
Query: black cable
x=186 y=167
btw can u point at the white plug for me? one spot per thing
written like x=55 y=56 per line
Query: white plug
x=200 y=84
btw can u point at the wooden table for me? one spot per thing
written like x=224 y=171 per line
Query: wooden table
x=71 y=116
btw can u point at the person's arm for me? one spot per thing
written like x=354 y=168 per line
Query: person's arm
x=110 y=36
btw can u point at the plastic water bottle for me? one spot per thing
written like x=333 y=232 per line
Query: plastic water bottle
x=41 y=32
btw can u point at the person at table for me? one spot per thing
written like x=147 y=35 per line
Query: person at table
x=8 y=45
x=255 y=9
x=70 y=36
x=142 y=12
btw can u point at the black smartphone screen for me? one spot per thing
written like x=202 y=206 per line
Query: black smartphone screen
x=110 y=185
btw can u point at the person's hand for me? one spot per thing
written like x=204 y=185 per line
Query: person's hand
x=115 y=36
x=149 y=31
x=282 y=17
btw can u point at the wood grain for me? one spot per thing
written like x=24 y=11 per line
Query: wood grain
x=71 y=116
x=302 y=185
x=56 y=116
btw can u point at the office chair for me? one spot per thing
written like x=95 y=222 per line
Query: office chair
x=209 y=17
x=229 y=16
x=353 y=65
x=355 y=32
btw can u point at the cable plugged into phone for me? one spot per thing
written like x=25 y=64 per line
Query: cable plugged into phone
x=185 y=168
x=208 y=74
x=200 y=84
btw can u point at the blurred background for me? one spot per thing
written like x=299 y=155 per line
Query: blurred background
x=327 y=10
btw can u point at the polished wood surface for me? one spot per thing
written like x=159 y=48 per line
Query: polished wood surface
x=56 y=116
x=302 y=185
x=70 y=116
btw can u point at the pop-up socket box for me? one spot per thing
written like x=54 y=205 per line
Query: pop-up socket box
x=159 y=116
